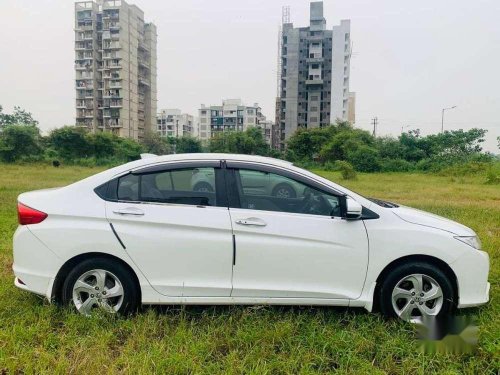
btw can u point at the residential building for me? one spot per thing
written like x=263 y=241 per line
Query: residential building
x=315 y=67
x=267 y=130
x=232 y=115
x=351 y=108
x=174 y=123
x=115 y=63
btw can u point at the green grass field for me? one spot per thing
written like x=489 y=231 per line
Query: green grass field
x=36 y=337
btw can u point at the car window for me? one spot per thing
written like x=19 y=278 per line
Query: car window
x=265 y=191
x=191 y=186
x=128 y=188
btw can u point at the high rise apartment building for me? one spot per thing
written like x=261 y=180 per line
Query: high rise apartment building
x=351 y=112
x=232 y=115
x=315 y=68
x=115 y=63
x=174 y=123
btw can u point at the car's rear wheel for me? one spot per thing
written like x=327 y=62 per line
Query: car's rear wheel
x=101 y=283
x=416 y=291
x=284 y=191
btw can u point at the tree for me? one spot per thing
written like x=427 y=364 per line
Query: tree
x=364 y=158
x=186 y=145
x=415 y=147
x=457 y=143
x=71 y=142
x=18 y=117
x=250 y=142
x=156 y=144
x=345 y=141
x=390 y=148
x=19 y=141
x=126 y=149
x=307 y=144
x=102 y=145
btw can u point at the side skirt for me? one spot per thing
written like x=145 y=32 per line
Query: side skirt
x=242 y=301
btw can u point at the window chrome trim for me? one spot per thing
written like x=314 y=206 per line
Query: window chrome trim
x=188 y=164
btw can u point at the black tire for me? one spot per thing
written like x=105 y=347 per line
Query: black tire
x=284 y=187
x=131 y=292
x=203 y=187
x=404 y=270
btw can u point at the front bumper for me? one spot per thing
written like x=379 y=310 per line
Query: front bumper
x=472 y=270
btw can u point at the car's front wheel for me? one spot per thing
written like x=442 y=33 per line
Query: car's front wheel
x=101 y=283
x=416 y=291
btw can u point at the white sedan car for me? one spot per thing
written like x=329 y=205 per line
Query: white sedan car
x=140 y=233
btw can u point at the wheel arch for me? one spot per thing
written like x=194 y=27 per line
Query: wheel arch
x=442 y=265
x=68 y=266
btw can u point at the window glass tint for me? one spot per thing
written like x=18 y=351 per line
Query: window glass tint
x=273 y=192
x=191 y=186
x=128 y=188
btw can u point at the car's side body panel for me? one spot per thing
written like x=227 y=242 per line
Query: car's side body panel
x=68 y=235
x=392 y=239
x=183 y=250
x=77 y=224
x=296 y=255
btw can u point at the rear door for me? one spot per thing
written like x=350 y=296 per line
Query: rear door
x=180 y=238
x=294 y=247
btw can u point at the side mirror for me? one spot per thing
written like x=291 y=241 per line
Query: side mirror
x=354 y=209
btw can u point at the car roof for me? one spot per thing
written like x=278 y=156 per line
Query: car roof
x=149 y=159
x=154 y=159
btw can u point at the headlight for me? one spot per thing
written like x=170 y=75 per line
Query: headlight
x=471 y=241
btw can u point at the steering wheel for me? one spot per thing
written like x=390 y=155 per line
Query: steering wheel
x=315 y=204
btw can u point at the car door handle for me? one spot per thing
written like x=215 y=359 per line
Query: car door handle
x=252 y=221
x=129 y=211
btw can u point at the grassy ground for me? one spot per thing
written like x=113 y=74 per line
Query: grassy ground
x=38 y=338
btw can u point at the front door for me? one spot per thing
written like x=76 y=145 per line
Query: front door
x=294 y=247
x=180 y=238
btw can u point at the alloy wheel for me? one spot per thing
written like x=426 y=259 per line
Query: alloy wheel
x=283 y=193
x=416 y=297
x=98 y=289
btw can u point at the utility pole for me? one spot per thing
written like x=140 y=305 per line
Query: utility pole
x=176 y=135
x=375 y=123
x=442 y=116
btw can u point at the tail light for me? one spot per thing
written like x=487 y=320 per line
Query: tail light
x=28 y=215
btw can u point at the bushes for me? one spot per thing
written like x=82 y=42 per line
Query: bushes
x=364 y=159
x=346 y=170
x=20 y=142
x=408 y=152
x=493 y=174
x=396 y=165
x=452 y=152
x=70 y=143
x=78 y=146
x=187 y=145
x=249 y=142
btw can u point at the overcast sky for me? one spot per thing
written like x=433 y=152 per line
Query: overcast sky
x=411 y=58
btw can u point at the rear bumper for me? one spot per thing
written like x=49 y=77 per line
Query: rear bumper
x=472 y=270
x=35 y=266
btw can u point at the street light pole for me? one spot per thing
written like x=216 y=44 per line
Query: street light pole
x=442 y=117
